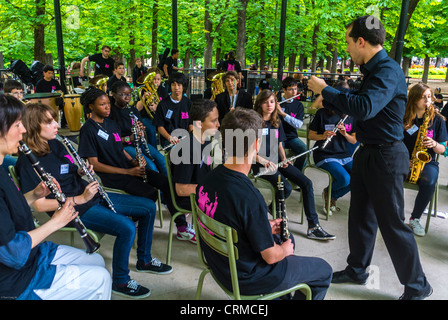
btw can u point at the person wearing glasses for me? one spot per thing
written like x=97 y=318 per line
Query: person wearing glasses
x=13 y=88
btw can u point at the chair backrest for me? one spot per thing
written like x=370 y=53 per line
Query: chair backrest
x=170 y=182
x=219 y=237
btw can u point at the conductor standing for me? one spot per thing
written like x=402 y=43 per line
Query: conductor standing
x=381 y=163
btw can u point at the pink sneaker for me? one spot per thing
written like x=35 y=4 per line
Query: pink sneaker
x=186 y=233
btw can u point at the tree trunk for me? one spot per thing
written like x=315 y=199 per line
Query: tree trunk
x=155 y=27
x=39 y=33
x=241 y=34
x=426 y=69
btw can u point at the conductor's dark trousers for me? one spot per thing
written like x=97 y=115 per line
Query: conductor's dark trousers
x=377 y=201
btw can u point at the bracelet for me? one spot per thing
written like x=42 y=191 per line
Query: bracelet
x=74 y=201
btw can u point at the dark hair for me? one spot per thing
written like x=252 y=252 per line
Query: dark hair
x=201 y=108
x=11 y=110
x=11 y=85
x=48 y=68
x=117 y=85
x=89 y=96
x=369 y=28
x=179 y=78
x=117 y=64
x=230 y=73
x=289 y=82
x=246 y=120
x=174 y=51
x=102 y=48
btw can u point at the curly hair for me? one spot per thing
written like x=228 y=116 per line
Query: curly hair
x=89 y=96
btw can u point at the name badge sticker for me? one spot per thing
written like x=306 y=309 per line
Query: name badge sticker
x=265 y=131
x=64 y=168
x=412 y=130
x=329 y=127
x=103 y=134
x=169 y=113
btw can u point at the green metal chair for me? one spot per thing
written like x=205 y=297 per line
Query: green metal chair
x=434 y=200
x=96 y=236
x=179 y=210
x=223 y=241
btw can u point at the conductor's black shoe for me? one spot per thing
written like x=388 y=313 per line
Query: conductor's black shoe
x=344 y=277
x=408 y=296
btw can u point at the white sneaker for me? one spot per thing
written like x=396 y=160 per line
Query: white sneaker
x=416 y=227
x=186 y=233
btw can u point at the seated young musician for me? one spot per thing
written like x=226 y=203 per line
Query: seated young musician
x=147 y=110
x=119 y=74
x=232 y=97
x=40 y=137
x=100 y=142
x=173 y=112
x=30 y=267
x=227 y=195
x=120 y=112
x=191 y=158
x=291 y=114
x=48 y=83
x=419 y=108
x=272 y=151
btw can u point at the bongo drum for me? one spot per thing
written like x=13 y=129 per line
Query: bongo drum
x=45 y=98
x=73 y=111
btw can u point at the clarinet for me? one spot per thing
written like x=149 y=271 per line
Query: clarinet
x=284 y=233
x=88 y=174
x=138 y=150
x=334 y=130
x=91 y=245
x=141 y=134
x=280 y=164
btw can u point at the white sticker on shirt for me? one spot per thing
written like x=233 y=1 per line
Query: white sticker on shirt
x=64 y=168
x=412 y=129
x=329 y=127
x=265 y=131
x=169 y=113
x=103 y=134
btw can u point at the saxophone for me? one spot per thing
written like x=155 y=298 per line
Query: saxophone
x=420 y=156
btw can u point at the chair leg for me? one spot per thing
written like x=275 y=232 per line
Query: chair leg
x=159 y=206
x=170 y=237
x=432 y=204
x=200 y=283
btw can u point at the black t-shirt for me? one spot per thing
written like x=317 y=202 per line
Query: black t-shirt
x=172 y=115
x=47 y=86
x=102 y=66
x=122 y=118
x=170 y=63
x=137 y=72
x=103 y=140
x=437 y=131
x=438 y=104
x=323 y=121
x=114 y=79
x=15 y=216
x=271 y=137
x=229 y=197
x=60 y=164
x=231 y=65
x=294 y=109
x=192 y=167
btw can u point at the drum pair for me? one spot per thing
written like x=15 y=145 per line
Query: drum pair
x=72 y=106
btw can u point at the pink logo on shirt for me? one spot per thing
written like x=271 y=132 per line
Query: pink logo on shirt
x=205 y=204
x=276 y=133
x=69 y=157
x=117 y=136
x=348 y=127
x=293 y=115
x=106 y=66
x=53 y=87
x=184 y=115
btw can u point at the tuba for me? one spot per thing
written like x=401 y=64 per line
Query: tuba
x=217 y=85
x=420 y=156
x=148 y=86
x=100 y=82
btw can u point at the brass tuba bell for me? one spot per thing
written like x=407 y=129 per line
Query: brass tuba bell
x=217 y=85
x=148 y=86
x=100 y=82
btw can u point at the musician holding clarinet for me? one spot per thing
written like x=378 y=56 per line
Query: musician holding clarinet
x=381 y=163
x=31 y=268
x=99 y=211
x=226 y=194
x=272 y=151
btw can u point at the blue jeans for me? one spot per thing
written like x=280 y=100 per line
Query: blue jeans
x=298 y=147
x=426 y=187
x=341 y=178
x=101 y=219
x=158 y=162
x=150 y=131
